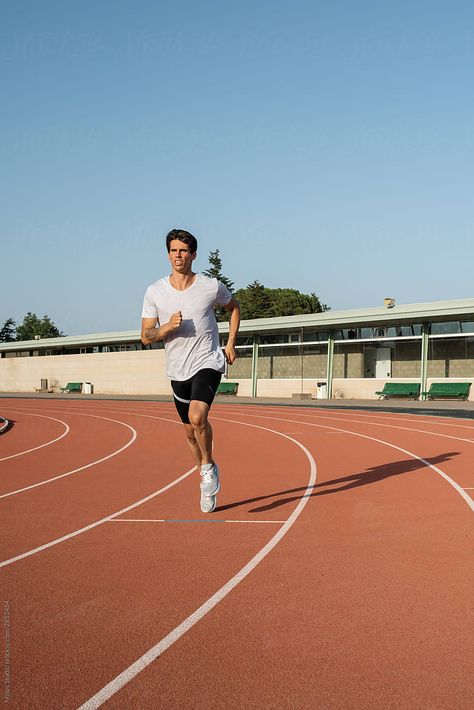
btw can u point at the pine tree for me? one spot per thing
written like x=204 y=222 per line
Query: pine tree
x=215 y=272
x=8 y=331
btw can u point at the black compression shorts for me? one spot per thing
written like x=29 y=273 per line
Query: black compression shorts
x=201 y=386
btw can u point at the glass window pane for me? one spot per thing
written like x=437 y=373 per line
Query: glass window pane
x=293 y=362
x=280 y=363
x=467 y=326
x=399 y=359
x=242 y=367
x=315 y=336
x=445 y=328
x=451 y=357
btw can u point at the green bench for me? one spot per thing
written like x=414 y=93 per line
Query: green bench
x=400 y=389
x=228 y=388
x=72 y=387
x=460 y=390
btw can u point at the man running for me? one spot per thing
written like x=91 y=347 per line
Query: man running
x=179 y=309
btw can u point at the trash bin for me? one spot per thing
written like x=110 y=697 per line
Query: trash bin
x=322 y=390
x=86 y=388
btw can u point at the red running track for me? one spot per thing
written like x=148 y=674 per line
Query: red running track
x=336 y=571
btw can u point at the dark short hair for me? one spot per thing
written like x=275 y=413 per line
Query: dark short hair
x=183 y=236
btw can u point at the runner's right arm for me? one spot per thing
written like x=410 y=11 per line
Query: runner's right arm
x=152 y=334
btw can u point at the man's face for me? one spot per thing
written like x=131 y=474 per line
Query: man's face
x=180 y=256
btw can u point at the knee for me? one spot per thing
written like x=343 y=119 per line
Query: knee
x=197 y=420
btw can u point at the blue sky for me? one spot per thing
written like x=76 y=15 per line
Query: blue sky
x=323 y=146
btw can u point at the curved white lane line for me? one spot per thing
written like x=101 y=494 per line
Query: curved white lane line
x=81 y=468
x=5 y=563
x=452 y=482
x=153 y=653
x=366 y=422
x=383 y=415
x=84 y=529
x=10 y=561
x=48 y=443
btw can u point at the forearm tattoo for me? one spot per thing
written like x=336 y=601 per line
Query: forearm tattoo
x=153 y=334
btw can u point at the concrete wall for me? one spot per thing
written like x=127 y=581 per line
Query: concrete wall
x=361 y=388
x=406 y=360
x=349 y=363
x=291 y=366
x=143 y=372
x=134 y=372
x=284 y=388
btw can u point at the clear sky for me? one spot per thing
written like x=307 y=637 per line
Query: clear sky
x=322 y=146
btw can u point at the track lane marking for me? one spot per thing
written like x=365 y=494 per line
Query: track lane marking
x=41 y=446
x=81 y=468
x=95 y=524
x=196 y=520
x=367 y=414
x=467 y=498
x=158 y=649
x=359 y=421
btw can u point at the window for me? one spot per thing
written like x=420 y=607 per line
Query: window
x=315 y=336
x=451 y=357
x=445 y=328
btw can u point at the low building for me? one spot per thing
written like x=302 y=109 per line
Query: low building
x=335 y=354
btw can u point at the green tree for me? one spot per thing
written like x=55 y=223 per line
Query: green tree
x=32 y=326
x=254 y=301
x=257 y=301
x=215 y=272
x=289 y=302
x=8 y=331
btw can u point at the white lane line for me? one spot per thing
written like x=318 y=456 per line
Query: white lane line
x=359 y=421
x=48 y=443
x=81 y=468
x=96 y=523
x=58 y=540
x=437 y=470
x=197 y=520
x=153 y=653
x=367 y=415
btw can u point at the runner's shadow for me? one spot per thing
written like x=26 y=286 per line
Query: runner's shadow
x=370 y=475
x=11 y=423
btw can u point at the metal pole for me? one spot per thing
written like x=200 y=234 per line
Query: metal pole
x=254 y=365
x=330 y=363
x=425 y=330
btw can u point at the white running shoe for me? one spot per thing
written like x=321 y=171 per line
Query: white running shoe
x=210 y=486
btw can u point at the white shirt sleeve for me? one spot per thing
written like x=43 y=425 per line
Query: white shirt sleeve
x=223 y=295
x=149 y=309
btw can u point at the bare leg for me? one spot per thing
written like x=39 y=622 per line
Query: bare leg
x=198 y=413
x=193 y=445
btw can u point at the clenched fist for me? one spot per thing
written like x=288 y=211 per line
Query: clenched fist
x=175 y=320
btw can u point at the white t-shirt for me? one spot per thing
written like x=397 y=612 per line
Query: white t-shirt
x=195 y=344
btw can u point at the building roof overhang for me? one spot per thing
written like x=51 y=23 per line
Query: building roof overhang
x=403 y=314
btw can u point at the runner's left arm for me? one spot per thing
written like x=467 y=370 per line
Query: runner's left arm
x=234 y=323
